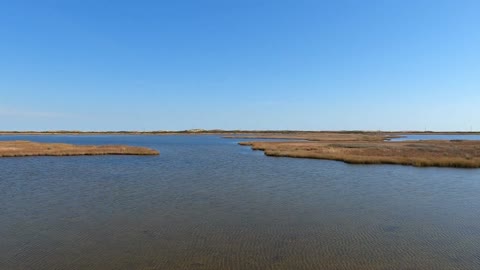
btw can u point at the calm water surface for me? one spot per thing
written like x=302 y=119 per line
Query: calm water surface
x=207 y=203
x=412 y=137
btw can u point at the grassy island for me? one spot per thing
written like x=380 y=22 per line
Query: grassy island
x=371 y=148
x=27 y=148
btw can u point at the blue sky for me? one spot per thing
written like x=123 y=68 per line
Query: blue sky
x=239 y=64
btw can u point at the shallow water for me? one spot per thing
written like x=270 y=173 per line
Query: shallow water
x=208 y=203
x=414 y=137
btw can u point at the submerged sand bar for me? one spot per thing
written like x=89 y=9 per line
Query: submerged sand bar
x=27 y=148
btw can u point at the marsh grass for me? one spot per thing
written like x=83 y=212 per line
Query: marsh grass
x=27 y=148
x=458 y=154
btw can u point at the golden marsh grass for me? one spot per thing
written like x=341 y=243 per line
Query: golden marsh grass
x=27 y=148
x=459 y=154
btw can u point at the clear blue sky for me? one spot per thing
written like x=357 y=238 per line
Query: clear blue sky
x=239 y=64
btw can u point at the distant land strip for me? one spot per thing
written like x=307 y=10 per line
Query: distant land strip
x=231 y=132
x=27 y=148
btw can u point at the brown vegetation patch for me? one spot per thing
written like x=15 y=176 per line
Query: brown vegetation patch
x=27 y=148
x=461 y=154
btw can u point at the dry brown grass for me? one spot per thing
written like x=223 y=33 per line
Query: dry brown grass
x=461 y=154
x=27 y=148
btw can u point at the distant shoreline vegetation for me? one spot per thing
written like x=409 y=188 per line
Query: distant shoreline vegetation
x=220 y=131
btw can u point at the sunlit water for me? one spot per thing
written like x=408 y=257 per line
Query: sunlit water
x=414 y=137
x=208 y=203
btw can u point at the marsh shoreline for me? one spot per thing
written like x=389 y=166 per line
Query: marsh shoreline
x=375 y=149
x=28 y=149
x=355 y=147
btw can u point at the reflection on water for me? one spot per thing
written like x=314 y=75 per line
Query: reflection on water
x=207 y=203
